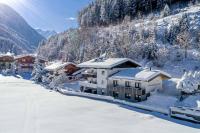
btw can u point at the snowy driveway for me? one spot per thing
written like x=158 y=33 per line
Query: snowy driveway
x=29 y=108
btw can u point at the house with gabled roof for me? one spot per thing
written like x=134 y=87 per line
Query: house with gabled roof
x=97 y=71
x=58 y=68
x=25 y=63
x=6 y=61
x=135 y=84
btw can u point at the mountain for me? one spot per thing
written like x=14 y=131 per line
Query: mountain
x=46 y=33
x=16 y=35
x=167 y=37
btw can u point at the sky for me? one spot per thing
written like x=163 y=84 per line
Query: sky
x=58 y=15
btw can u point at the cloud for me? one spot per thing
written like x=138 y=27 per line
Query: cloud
x=71 y=19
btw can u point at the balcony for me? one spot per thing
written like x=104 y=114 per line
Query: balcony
x=137 y=91
x=88 y=84
x=90 y=73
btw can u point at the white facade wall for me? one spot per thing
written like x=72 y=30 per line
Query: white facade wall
x=103 y=75
x=121 y=82
x=155 y=84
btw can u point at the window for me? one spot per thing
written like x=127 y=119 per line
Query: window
x=127 y=96
x=127 y=84
x=143 y=92
x=115 y=94
x=102 y=92
x=137 y=85
x=115 y=83
x=198 y=87
x=103 y=72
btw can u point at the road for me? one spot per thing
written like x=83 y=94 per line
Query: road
x=29 y=108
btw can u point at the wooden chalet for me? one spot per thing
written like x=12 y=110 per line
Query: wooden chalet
x=59 y=67
x=25 y=63
x=6 y=61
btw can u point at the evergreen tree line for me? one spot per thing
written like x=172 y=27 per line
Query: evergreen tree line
x=105 y=12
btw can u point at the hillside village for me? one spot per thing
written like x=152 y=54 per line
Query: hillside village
x=118 y=78
x=134 y=63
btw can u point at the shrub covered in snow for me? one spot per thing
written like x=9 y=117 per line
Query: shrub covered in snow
x=8 y=72
x=46 y=79
x=58 y=81
x=189 y=83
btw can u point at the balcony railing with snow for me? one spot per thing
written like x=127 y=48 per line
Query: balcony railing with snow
x=90 y=73
x=137 y=91
x=88 y=84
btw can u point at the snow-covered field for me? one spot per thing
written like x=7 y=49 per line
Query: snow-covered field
x=29 y=108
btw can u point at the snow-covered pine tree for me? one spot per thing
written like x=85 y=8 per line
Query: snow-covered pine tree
x=115 y=13
x=131 y=9
x=166 y=11
x=38 y=71
x=104 y=16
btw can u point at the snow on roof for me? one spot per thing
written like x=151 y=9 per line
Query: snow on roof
x=138 y=74
x=21 y=56
x=78 y=72
x=7 y=54
x=105 y=63
x=58 y=65
x=41 y=58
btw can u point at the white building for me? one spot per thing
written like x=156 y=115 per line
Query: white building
x=97 y=72
x=135 y=84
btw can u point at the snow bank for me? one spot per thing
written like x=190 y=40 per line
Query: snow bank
x=143 y=105
x=160 y=101
x=72 y=86
x=191 y=101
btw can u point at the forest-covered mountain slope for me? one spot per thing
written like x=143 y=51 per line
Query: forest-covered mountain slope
x=169 y=35
x=16 y=35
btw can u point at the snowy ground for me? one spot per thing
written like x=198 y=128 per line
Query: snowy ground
x=29 y=108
